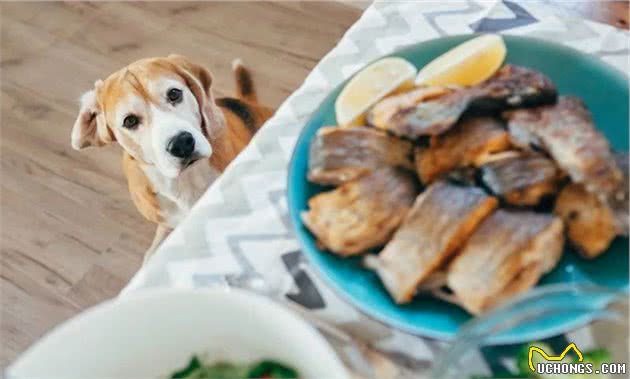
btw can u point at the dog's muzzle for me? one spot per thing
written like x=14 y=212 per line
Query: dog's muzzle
x=182 y=146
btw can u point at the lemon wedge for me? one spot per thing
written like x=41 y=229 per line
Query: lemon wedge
x=370 y=85
x=466 y=64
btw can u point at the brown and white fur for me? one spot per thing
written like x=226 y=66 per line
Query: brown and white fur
x=176 y=138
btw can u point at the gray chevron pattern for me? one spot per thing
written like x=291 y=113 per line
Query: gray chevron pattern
x=490 y=25
x=241 y=225
x=459 y=10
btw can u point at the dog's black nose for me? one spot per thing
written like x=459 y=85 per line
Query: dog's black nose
x=182 y=145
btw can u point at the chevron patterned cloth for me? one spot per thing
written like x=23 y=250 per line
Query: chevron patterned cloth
x=241 y=225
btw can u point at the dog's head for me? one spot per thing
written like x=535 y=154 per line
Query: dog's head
x=158 y=109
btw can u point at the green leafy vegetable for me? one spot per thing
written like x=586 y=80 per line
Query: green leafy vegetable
x=187 y=371
x=597 y=356
x=224 y=370
x=271 y=369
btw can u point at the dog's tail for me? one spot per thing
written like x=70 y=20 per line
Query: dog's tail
x=244 y=84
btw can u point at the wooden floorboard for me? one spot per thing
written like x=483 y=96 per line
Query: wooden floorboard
x=71 y=237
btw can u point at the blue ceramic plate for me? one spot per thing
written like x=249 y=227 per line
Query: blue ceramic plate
x=603 y=89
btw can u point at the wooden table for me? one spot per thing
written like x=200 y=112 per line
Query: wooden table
x=70 y=235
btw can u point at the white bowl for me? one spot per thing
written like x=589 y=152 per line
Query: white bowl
x=153 y=333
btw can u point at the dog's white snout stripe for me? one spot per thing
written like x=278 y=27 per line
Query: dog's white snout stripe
x=166 y=127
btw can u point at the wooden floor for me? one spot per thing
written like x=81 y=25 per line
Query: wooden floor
x=70 y=235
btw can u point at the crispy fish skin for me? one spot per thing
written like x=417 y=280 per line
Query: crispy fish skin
x=591 y=224
x=431 y=117
x=521 y=180
x=505 y=256
x=338 y=155
x=361 y=214
x=439 y=222
x=467 y=144
x=566 y=131
x=463 y=176
x=510 y=87
x=382 y=113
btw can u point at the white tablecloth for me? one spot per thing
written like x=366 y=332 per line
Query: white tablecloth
x=241 y=224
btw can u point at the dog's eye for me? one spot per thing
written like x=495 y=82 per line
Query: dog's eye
x=174 y=95
x=131 y=122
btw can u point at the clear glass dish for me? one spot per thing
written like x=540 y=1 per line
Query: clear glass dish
x=601 y=322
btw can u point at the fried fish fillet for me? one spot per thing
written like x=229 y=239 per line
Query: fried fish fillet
x=338 y=155
x=566 y=131
x=382 y=113
x=521 y=180
x=592 y=224
x=463 y=176
x=510 y=87
x=505 y=256
x=361 y=214
x=467 y=144
x=439 y=222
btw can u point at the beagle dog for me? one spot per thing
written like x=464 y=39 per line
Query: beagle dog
x=176 y=138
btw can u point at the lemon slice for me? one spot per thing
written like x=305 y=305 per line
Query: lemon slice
x=467 y=64
x=369 y=86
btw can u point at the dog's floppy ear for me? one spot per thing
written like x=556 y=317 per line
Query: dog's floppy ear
x=90 y=127
x=197 y=77
x=199 y=80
